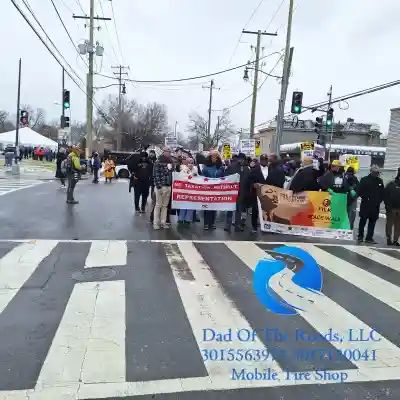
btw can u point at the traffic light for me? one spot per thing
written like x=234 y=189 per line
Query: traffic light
x=329 y=117
x=24 y=118
x=318 y=130
x=66 y=102
x=64 y=122
x=297 y=102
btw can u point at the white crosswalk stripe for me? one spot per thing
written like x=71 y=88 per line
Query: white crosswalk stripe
x=74 y=300
x=11 y=185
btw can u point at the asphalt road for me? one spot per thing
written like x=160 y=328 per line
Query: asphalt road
x=104 y=307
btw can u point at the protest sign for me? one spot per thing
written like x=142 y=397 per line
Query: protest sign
x=201 y=193
x=316 y=214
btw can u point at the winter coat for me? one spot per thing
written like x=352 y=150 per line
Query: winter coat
x=305 y=179
x=212 y=171
x=392 y=195
x=372 y=193
x=162 y=175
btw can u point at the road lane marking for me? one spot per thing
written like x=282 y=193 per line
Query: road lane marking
x=105 y=253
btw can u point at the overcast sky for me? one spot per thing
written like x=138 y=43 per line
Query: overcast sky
x=350 y=45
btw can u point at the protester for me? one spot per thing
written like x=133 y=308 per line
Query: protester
x=109 y=169
x=238 y=166
x=152 y=159
x=372 y=193
x=73 y=173
x=266 y=173
x=188 y=168
x=392 y=205
x=141 y=180
x=352 y=183
x=333 y=180
x=306 y=177
x=162 y=175
x=95 y=167
x=212 y=169
x=61 y=172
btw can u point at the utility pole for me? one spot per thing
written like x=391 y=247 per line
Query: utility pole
x=176 y=125
x=256 y=70
x=89 y=84
x=211 y=87
x=328 y=156
x=15 y=167
x=285 y=81
x=62 y=99
x=120 y=108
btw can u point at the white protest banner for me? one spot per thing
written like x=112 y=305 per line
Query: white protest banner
x=201 y=193
x=248 y=147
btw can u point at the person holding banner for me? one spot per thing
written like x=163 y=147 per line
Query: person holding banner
x=266 y=174
x=212 y=169
x=239 y=166
x=188 y=168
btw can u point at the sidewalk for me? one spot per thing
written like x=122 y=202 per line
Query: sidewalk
x=26 y=173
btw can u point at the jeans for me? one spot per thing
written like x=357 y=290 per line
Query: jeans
x=186 y=215
x=393 y=225
x=163 y=196
x=141 y=190
x=209 y=218
x=370 y=229
x=95 y=175
x=71 y=187
x=229 y=217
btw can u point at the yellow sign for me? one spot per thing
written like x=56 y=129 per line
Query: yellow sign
x=307 y=146
x=352 y=161
x=227 y=151
x=258 y=148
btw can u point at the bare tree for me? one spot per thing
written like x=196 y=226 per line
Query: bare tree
x=37 y=117
x=198 y=126
x=5 y=122
x=140 y=125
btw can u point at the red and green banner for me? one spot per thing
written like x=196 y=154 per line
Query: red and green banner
x=316 y=214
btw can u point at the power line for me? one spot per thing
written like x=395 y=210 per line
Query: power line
x=55 y=57
x=251 y=94
x=273 y=17
x=66 y=30
x=195 y=77
x=108 y=32
x=241 y=34
x=116 y=31
x=80 y=6
x=29 y=8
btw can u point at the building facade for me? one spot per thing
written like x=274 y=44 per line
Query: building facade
x=392 y=161
x=348 y=133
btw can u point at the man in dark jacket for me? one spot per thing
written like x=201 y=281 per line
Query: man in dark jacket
x=95 y=165
x=306 y=177
x=238 y=166
x=392 y=204
x=371 y=191
x=142 y=179
x=266 y=174
x=333 y=180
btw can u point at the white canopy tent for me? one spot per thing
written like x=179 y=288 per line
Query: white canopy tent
x=28 y=137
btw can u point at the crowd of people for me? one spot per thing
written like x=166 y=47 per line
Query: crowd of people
x=152 y=176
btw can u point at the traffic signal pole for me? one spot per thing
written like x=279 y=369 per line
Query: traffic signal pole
x=328 y=151
x=15 y=168
x=62 y=99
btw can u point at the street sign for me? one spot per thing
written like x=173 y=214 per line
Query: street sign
x=307 y=146
x=62 y=134
x=171 y=141
x=258 y=148
x=248 y=147
x=227 y=151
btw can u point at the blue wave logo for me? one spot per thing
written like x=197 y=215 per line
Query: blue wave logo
x=307 y=275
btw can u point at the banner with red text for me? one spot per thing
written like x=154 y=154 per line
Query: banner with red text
x=201 y=193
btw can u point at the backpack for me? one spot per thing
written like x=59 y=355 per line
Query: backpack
x=66 y=166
